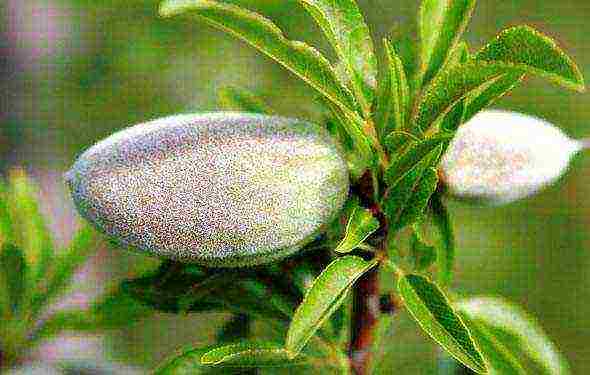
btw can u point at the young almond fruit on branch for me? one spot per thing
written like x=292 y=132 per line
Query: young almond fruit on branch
x=499 y=157
x=219 y=189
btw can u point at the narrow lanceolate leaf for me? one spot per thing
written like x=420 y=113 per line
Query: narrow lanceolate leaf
x=526 y=48
x=345 y=28
x=301 y=59
x=454 y=118
x=516 y=330
x=30 y=232
x=409 y=159
x=498 y=358
x=445 y=258
x=13 y=275
x=65 y=264
x=433 y=312
x=393 y=94
x=441 y=24
x=324 y=297
x=6 y=235
x=452 y=85
x=481 y=99
x=404 y=41
x=250 y=354
x=67 y=320
x=398 y=196
x=360 y=226
x=112 y=311
x=239 y=99
x=419 y=200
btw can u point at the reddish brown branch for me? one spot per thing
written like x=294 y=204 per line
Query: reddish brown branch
x=365 y=315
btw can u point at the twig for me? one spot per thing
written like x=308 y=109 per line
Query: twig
x=365 y=315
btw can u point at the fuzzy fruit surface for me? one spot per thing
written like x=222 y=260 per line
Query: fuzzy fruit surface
x=219 y=189
x=500 y=156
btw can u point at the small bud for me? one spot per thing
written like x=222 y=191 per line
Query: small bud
x=218 y=189
x=499 y=157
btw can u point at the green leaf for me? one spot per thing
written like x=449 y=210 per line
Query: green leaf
x=188 y=362
x=515 y=329
x=61 y=321
x=452 y=85
x=393 y=95
x=324 y=297
x=445 y=258
x=175 y=288
x=362 y=144
x=422 y=254
x=459 y=55
x=405 y=201
x=164 y=289
x=408 y=160
x=240 y=99
x=274 y=299
x=441 y=24
x=481 y=99
x=454 y=118
x=13 y=275
x=360 y=226
x=112 y=311
x=250 y=354
x=28 y=225
x=398 y=196
x=397 y=140
x=118 y=309
x=404 y=38
x=6 y=235
x=433 y=312
x=526 y=48
x=414 y=210
x=345 y=28
x=65 y=264
x=496 y=69
x=499 y=358
x=299 y=58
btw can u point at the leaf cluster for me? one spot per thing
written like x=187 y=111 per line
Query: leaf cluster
x=34 y=274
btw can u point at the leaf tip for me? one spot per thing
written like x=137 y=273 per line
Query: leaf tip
x=291 y=355
x=166 y=9
x=580 y=85
x=208 y=359
x=169 y=8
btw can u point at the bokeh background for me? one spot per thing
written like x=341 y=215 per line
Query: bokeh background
x=74 y=71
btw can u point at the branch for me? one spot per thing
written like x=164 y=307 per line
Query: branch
x=366 y=298
x=365 y=315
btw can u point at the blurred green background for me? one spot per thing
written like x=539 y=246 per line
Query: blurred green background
x=75 y=71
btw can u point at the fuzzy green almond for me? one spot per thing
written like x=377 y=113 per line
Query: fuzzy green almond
x=222 y=189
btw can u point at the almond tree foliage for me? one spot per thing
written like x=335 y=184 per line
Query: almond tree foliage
x=394 y=114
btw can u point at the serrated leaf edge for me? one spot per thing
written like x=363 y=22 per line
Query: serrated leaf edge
x=458 y=317
x=577 y=86
x=371 y=264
